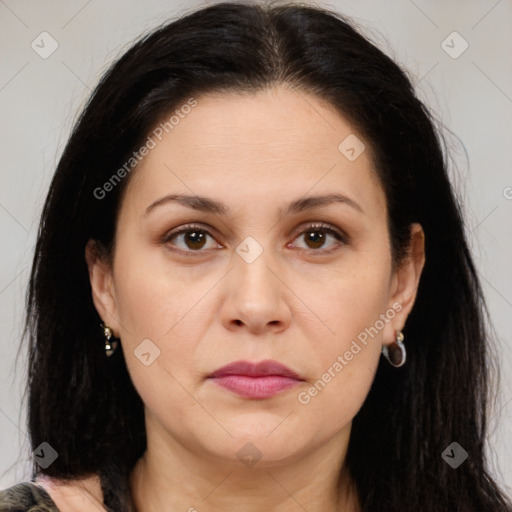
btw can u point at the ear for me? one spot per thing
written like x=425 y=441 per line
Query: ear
x=100 y=277
x=405 y=282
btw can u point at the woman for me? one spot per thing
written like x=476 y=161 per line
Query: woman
x=252 y=207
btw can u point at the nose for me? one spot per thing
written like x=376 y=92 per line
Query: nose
x=256 y=298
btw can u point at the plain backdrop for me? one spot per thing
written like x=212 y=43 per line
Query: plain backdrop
x=470 y=91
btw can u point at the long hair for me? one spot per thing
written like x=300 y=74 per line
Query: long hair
x=85 y=405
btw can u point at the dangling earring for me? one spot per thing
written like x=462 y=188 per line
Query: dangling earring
x=110 y=346
x=395 y=353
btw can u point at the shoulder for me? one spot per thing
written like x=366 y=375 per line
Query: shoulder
x=47 y=494
x=77 y=495
x=26 y=497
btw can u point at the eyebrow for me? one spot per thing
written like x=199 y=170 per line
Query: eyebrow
x=208 y=205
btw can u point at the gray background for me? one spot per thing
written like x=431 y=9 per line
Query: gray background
x=39 y=99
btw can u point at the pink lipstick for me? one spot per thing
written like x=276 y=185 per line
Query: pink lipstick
x=256 y=380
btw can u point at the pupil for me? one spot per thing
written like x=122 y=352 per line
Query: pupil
x=196 y=238
x=316 y=237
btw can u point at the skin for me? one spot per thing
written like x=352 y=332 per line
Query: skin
x=78 y=495
x=255 y=153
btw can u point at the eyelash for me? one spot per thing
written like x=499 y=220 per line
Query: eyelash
x=342 y=238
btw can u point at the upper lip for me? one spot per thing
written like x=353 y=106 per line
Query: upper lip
x=261 y=369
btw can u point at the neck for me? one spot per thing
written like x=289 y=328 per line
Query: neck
x=170 y=477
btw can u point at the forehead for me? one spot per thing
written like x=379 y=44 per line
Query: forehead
x=254 y=148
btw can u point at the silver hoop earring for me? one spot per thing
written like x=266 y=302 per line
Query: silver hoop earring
x=110 y=346
x=396 y=353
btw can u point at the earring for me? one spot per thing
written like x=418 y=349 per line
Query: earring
x=110 y=346
x=395 y=353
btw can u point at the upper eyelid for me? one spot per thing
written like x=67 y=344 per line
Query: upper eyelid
x=186 y=227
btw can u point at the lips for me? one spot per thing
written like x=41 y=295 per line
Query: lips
x=262 y=369
x=256 y=380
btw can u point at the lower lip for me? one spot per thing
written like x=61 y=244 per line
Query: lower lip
x=256 y=387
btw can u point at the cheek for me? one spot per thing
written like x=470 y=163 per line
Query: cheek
x=157 y=316
x=164 y=304
x=347 y=302
x=344 y=363
x=333 y=400
x=345 y=332
x=153 y=296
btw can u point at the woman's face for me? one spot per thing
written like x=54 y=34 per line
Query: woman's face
x=254 y=278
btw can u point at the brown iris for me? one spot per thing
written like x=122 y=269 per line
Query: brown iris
x=195 y=239
x=316 y=237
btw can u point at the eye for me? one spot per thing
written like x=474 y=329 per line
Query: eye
x=316 y=235
x=193 y=238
